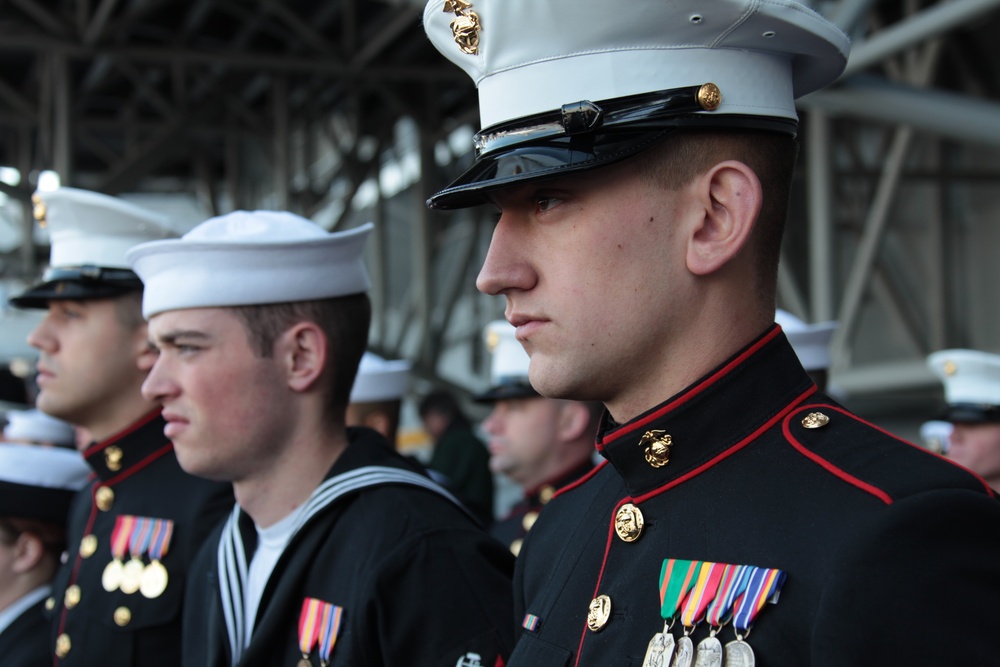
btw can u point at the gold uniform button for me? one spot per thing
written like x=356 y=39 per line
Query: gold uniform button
x=815 y=420
x=50 y=603
x=123 y=616
x=629 y=523
x=105 y=498
x=72 y=597
x=598 y=613
x=529 y=520
x=545 y=494
x=88 y=546
x=515 y=546
x=63 y=645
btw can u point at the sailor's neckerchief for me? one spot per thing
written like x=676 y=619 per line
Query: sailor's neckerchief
x=232 y=556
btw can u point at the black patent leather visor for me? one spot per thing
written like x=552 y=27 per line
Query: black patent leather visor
x=586 y=135
x=78 y=283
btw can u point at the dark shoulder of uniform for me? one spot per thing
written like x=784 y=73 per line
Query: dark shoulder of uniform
x=870 y=458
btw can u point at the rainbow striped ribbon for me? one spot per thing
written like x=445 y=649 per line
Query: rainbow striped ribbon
x=163 y=529
x=309 y=625
x=764 y=586
x=703 y=592
x=139 y=542
x=332 y=615
x=734 y=581
x=677 y=577
x=121 y=535
x=530 y=622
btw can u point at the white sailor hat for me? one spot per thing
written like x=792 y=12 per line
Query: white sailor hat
x=811 y=342
x=509 y=364
x=39 y=482
x=250 y=258
x=380 y=379
x=971 y=384
x=37 y=427
x=89 y=233
x=569 y=85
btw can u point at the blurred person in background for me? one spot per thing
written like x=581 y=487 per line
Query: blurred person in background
x=377 y=395
x=542 y=444
x=459 y=455
x=971 y=381
x=811 y=343
x=37 y=485
x=133 y=531
x=35 y=427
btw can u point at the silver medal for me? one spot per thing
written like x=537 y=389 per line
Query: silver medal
x=660 y=650
x=739 y=654
x=685 y=653
x=708 y=653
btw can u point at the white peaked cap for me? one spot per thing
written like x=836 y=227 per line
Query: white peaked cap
x=380 y=379
x=811 y=342
x=251 y=258
x=93 y=229
x=970 y=377
x=536 y=56
x=36 y=426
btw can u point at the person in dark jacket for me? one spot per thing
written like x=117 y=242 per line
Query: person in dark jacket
x=339 y=550
x=36 y=486
x=141 y=518
x=640 y=158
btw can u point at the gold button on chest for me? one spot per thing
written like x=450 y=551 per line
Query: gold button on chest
x=529 y=520
x=63 y=645
x=88 y=546
x=598 y=613
x=629 y=522
x=123 y=616
x=72 y=597
x=105 y=498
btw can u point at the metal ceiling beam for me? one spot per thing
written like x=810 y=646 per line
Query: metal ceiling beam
x=936 y=20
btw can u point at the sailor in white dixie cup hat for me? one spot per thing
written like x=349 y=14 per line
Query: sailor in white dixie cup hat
x=640 y=156
x=261 y=319
x=35 y=427
x=971 y=381
x=37 y=485
x=542 y=444
x=377 y=394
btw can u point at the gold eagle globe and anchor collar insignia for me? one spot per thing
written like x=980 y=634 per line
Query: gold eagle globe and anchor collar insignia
x=466 y=25
x=657 y=447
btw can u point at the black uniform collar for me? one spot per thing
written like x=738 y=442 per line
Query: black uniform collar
x=711 y=416
x=125 y=452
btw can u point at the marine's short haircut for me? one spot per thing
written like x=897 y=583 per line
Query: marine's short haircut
x=687 y=154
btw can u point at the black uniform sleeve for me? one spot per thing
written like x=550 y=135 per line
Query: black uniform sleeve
x=438 y=597
x=919 y=585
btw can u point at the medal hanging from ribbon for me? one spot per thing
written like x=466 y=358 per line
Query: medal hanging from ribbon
x=763 y=586
x=154 y=576
x=677 y=577
x=702 y=593
x=120 y=536
x=330 y=627
x=137 y=547
x=731 y=586
x=310 y=619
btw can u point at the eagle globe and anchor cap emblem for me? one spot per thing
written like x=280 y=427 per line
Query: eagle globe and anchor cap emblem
x=465 y=26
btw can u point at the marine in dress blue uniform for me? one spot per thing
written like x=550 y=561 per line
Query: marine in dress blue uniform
x=36 y=487
x=340 y=551
x=640 y=156
x=137 y=493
